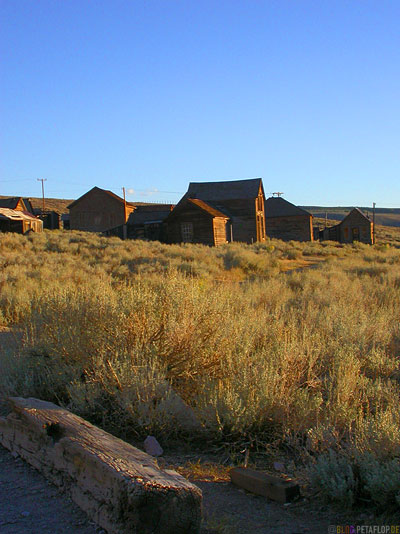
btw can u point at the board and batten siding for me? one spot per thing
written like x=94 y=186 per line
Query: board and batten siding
x=189 y=223
x=356 y=227
x=220 y=230
x=293 y=228
x=97 y=211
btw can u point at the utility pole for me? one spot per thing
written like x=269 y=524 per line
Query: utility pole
x=42 y=180
x=124 y=229
x=123 y=189
x=373 y=223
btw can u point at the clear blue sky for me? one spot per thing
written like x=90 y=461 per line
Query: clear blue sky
x=153 y=94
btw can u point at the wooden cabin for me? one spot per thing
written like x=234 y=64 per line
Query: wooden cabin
x=286 y=221
x=356 y=226
x=99 y=210
x=195 y=221
x=19 y=221
x=240 y=203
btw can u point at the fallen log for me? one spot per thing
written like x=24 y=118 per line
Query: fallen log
x=120 y=487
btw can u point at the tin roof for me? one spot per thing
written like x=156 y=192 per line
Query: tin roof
x=15 y=215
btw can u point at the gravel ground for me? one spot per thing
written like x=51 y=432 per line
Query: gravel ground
x=31 y=505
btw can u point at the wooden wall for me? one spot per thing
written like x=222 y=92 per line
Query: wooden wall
x=22 y=226
x=221 y=227
x=97 y=212
x=243 y=218
x=295 y=227
x=207 y=230
x=355 y=227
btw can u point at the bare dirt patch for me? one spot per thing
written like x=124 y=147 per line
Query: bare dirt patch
x=229 y=509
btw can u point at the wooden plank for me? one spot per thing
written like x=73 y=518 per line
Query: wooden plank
x=117 y=485
x=274 y=488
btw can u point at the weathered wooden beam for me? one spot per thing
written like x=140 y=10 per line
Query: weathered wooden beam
x=274 y=488
x=120 y=487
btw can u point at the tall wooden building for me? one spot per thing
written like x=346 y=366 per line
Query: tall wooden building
x=286 y=221
x=99 y=210
x=216 y=212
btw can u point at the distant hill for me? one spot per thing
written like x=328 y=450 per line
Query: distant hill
x=383 y=216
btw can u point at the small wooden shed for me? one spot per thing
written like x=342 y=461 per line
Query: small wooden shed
x=356 y=226
x=286 y=221
x=18 y=221
x=195 y=221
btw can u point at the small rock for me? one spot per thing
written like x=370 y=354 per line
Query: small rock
x=152 y=447
x=25 y=514
x=278 y=466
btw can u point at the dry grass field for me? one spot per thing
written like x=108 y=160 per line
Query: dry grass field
x=304 y=361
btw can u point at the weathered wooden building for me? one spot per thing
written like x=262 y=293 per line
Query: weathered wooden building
x=195 y=221
x=99 y=210
x=21 y=222
x=235 y=207
x=356 y=226
x=284 y=220
x=51 y=219
x=145 y=222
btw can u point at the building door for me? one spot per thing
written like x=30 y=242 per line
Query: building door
x=355 y=233
x=187 y=232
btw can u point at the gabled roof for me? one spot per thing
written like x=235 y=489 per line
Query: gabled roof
x=200 y=204
x=359 y=212
x=109 y=193
x=279 y=207
x=234 y=189
x=11 y=202
x=28 y=205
